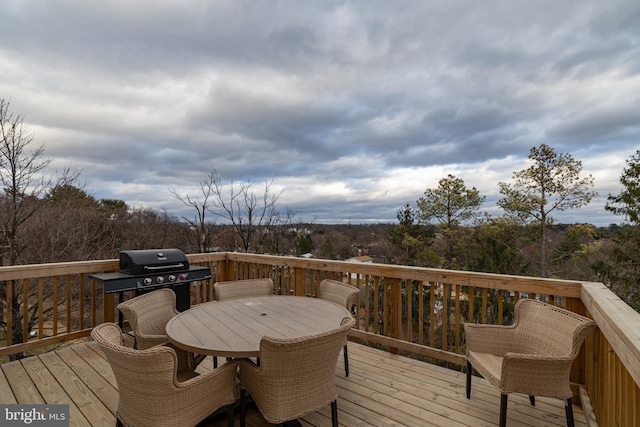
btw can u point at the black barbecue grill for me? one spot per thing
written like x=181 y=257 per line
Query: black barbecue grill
x=143 y=271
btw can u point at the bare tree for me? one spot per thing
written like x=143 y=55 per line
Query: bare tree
x=68 y=226
x=21 y=179
x=250 y=214
x=148 y=228
x=23 y=184
x=283 y=237
x=201 y=231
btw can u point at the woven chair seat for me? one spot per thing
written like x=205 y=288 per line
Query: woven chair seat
x=489 y=365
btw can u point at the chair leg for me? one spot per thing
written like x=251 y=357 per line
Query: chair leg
x=468 y=380
x=569 y=411
x=334 y=413
x=242 y=407
x=503 y=409
x=230 y=415
x=215 y=362
x=532 y=399
x=119 y=423
x=346 y=361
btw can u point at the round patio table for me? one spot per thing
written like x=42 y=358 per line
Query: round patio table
x=234 y=328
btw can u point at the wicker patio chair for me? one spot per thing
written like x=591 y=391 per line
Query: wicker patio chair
x=344 y=295
x=148 y=315
x=152 y=393
x=243 y=288
x=532 y=356
x=295 y=377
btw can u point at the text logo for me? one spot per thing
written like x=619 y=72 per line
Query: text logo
x=34 y=415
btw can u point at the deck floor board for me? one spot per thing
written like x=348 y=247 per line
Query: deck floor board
x=382 y=390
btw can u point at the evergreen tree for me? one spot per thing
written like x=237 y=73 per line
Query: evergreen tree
x=551 y=183
x=622 y=271
x=627 y=203
x=450 y=204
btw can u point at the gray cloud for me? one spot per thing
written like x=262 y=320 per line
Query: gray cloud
x=352 y=108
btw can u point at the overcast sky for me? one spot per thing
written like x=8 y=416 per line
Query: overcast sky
x=352 y=108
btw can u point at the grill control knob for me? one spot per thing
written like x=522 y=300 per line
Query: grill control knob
x=160 y=279
x=147 y=281
x=171 y=278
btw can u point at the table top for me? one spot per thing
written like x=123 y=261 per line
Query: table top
x=234 y=328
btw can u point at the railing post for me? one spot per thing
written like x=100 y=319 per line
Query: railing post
x=222 y=271
x=109 y=307
x=300 y=282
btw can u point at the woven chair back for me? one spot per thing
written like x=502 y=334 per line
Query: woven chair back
x=549 y=330
x=142 y=376
x=148 y=315
x=339 y=293
x=243 y=288
x=298 y=375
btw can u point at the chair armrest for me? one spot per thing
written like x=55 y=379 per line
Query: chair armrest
x=491 y=339
x=218 y=384
x=150 y=341
x=186 y=361
x=536 y=375
x=249 y=374
x=205 y=393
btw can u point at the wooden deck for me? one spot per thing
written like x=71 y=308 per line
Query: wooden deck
x=382 y=390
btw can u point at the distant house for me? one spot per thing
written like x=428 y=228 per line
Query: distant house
x=363 y=259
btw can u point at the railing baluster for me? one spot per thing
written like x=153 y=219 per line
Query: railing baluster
x=376 y=307
x=25 y=310
x=81 y=299
x=485 y=298
x=432 y=315
x=69 y=311
x=93 y=304
x=367 y=304
x=409 y=310
x=445 y=316
x=457 y=318
x=500 y=307
x=10 y=315
x=40 y=307
x=54 y=288
x=421 y=312
x=471 y=298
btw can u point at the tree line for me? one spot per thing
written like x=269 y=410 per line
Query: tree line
x=446 y=229
x=46 y=220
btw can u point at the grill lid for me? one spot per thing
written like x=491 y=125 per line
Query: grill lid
x=153 y=260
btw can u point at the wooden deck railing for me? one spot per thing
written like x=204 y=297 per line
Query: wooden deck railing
x=412 y=310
